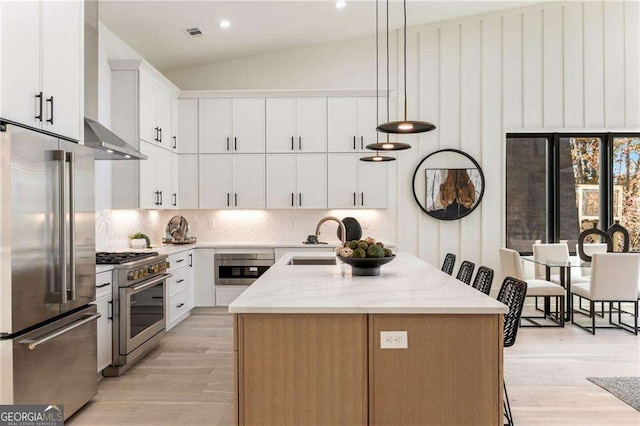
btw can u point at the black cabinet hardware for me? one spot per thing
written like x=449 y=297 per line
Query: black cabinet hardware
x=180 y=305
x=300 y=142
x=50 y=119
x=228 y=200
x=292 y=148
x=157 y=198
x=39 y=116
x=160 y=139
x=300 y=199
x=235 y=144
x=110 y=314
x=103 y=285
x=179 y=281
x=161 y=200
x=361 y=142
x=354 y=198
x=354 y=142
x=191 y=260
x=292 y=199
x=179 y=260
x=175 y=142
x=157 y=129
x=175 y=200
x=235 y=196
x=362 y=198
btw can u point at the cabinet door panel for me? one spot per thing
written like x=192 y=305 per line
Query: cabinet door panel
x=104 y=329
x=175 y=123
x=281 y=181
x=163 y=173
x=342 y=124
x=188 y=126
x=342 y=180
x=148 y=199
x=20 y=60
x=215 y=125
x=188 y=181
x=311 y=122
x=248 y=181
x=215 y=181
x=249 y=125
x=61 y=62
x=148 y=109
x=175 y=181
x=373 y=182
x=191 y=280
x=163 y=99
x=367 y=122
x=281 y=124
x=311 y=181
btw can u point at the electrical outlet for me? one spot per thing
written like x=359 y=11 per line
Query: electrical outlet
x=212 y=223
x=293 y=224
x=365 y=224
x=393 y=340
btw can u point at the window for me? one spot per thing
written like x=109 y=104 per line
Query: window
x=558 y=185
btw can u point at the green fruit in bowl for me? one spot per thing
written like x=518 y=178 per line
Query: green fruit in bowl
x=353 y=244
x=387 y=252
x=363 y=245
x=375 y=251
x=359 y=253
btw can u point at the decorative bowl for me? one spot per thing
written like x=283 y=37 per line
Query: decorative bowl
x=366 y=267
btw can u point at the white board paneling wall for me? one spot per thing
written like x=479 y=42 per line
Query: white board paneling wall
x=560 y=65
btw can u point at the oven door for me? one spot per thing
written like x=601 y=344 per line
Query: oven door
x=240 y=271
x=142 y=312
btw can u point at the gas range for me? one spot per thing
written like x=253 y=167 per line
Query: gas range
x=134 y=267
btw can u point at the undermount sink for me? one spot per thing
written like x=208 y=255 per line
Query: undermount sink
x=312 y=261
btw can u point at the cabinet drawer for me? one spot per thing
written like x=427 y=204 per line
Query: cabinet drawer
x=178 y=305
x=104 y=284
x=178 y=260
x=179 y=281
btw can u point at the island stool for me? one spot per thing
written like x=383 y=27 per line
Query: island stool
x=465 y=273
x=449 y=263
x=483 y=280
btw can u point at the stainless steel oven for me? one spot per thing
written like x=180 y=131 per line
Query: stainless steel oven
x=143 y=312
x=241 y=268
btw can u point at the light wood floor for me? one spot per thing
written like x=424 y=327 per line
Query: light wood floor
x=188 y=380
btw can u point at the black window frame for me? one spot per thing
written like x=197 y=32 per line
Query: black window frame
x=553 y=175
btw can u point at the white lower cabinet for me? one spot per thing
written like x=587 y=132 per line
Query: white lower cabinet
x=104 y=304
x=180 y=287
x=225 y=294
x=204 y=289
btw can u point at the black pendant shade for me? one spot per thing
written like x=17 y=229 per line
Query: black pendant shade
x=406 y=127
x=388 y=146
x=377 y=158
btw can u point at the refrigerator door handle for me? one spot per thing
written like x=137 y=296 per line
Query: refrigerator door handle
x=34 y=343
x=72 y=222
x=60 y=156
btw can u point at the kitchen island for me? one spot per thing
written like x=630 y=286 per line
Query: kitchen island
x=308 y=346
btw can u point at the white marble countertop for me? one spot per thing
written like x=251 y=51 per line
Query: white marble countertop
x=406 y=285
x=103 y=268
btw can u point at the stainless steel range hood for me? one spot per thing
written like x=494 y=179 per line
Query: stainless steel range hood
x=107 y=144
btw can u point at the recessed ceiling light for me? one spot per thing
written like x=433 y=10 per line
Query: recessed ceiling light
x=341 y=4
x=110 y=151
x=127 y=156
x=224 y=24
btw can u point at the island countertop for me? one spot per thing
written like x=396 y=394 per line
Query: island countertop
x=406 y=285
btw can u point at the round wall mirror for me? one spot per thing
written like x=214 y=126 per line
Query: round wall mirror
x=448 y=184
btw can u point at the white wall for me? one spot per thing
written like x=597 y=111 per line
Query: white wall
x=347 y=64
x=557 y=66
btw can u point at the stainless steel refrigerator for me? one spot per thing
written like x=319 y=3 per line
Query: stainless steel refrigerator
x=47 y=270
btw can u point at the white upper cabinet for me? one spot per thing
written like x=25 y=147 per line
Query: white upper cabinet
x=311 y=124
x=215 y=181
x=281 y=125
x=232 y=181
x=356 y=184
x=149 y=130
x=176 y=197
x=373 y=184
x=188 y=181
x=296 y=125
x=215 y=125
x=155 y=112
x=163 y=177
x=175 y=123
x=249 y=125
x=311 y=181
x=281 y=181
x=188 y=126
x=352 y=123
x=148 y=193
x=248 y=181
x=41 y=65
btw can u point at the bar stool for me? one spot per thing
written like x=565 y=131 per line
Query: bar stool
x=465 y=273
x=483 y=280
x=449 y=263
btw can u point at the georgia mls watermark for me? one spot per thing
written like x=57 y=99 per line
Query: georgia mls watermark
x=31 y=415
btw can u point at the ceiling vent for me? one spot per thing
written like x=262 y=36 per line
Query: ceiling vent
x=193 y=32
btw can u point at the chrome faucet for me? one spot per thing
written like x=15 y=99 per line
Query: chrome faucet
x=343 y=230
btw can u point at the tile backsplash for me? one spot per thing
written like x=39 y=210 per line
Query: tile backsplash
x=113 y=227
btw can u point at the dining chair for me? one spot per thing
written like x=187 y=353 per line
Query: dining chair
x=590 y=250
x=512 y=267
x=512 y=293
x=558 y=252
x=614 y=279
x=465 y=273
x=449 y=263
x=483 y=280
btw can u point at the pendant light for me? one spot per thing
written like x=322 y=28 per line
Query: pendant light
x=405 y=126
x=377 y=158
x=388 y=145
